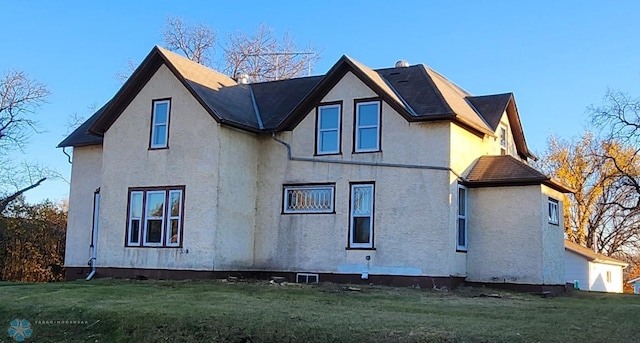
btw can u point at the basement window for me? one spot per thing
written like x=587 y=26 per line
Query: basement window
x=307 y=278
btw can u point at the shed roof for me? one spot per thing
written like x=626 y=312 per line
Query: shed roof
x=591 y=255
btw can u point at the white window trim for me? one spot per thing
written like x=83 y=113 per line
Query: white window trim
x=358 y=126
x=319 y=150
x=310 y=187
x=165 y=230
x=147 y=217
x=170 y=218
x=352 y=244
x=554 y=217
x=465 y=216
x=155 y=124
x=131 y=219
x=504 y=146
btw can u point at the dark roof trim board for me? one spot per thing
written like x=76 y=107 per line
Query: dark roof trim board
x=333 y=76
x=506 y=170
x=139 y=79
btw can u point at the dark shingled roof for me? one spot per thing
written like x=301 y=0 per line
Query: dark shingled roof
x=503 y=168
x=231 y=104
x=417 y=92
x=491 y=107
x=276 y=99
x=417 y=89
x=81 y=136
x=506 y=170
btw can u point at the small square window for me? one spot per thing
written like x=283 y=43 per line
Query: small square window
x=553 y=212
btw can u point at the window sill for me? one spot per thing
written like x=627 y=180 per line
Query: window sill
x=367 y=151
x=153 y=246
x=305 y=213
x=319 y=154
x=355 y=248
x=461 y=250
x=159 y=148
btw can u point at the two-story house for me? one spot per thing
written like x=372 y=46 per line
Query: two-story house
x=392 y=175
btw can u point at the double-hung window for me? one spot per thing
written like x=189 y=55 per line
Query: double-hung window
x=367 y=126
x=155 y=217
x=328 y=129
x=461 y=232
x=502 y=135
x=361 y=217
x=160 y=124
x=553 y=212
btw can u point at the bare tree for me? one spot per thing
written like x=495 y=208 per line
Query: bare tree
x=20 y=97
x=264 y=57
x=195 y=41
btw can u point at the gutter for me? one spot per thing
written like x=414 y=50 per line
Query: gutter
x=361 y=163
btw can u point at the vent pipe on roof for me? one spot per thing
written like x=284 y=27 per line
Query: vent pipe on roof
x=402 y=64
x=242 y=78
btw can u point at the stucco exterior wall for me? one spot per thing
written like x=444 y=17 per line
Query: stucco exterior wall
x=553 y=266
x=85 y=179
x=505 y=235
x=192 y=160
x=236 y=196
x=412 y=233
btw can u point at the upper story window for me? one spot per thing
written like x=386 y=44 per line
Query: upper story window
x=155 y=217
x=502 y=134
x=328 y=129
x=461 y=234
x=553 y=212
x=160 y=124
x=367 y=126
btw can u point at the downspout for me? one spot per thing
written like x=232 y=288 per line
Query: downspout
x=362 y=163
x=94 y=234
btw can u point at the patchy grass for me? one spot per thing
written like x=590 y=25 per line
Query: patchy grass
x=215 y=311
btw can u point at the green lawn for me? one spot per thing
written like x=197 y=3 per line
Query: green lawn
x=206 y=311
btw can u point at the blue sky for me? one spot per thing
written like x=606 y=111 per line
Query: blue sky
x=558 y=57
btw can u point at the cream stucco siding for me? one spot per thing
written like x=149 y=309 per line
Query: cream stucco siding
x=505 y=235
x=85 y=180
x=236 y=194
x=553 y=267
x=412 y=232
x=192 y=160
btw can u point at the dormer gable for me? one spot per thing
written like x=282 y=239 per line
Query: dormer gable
x=493 y=108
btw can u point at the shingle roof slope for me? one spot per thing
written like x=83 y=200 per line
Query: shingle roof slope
x=276 y=99
x=504 y=168
x=80 y=136
x=590 y=254
x=416 y=91
x=491 y=107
